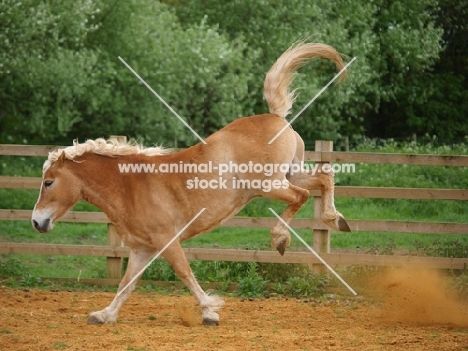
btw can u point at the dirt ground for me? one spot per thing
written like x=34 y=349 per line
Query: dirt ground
x=407 y=311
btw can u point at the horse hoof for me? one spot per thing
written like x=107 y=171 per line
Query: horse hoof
x=336 y=222
x=281 y=247
x=95 y=319
x=210 y=322
x=343 y=225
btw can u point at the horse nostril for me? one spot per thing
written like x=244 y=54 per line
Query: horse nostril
x=41 y=227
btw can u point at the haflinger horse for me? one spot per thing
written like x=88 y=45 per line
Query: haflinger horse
x=148 y=209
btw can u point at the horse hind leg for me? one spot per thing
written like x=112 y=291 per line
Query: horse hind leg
x=295 y=197
x=136 y=261
x=209 y=304
x=324 y=182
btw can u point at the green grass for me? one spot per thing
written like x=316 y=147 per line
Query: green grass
x=63 y=266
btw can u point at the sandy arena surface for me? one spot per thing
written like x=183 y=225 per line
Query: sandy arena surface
x=407 y=311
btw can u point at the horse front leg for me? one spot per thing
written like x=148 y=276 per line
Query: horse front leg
x=136 y=261
x=326 y=183
x=209 y=304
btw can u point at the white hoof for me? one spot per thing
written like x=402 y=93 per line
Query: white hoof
x=100 y=317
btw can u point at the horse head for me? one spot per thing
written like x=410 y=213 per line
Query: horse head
x=59 y=191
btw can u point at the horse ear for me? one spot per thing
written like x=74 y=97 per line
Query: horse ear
x=62 y=157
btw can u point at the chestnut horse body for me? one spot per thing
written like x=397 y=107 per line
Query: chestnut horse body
x=149 y=207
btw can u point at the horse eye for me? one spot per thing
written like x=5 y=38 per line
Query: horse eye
x=48 y=183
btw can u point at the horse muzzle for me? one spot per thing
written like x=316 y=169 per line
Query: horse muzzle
x=42 y=224
x=43 y=227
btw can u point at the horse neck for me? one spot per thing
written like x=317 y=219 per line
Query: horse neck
x=101 y=185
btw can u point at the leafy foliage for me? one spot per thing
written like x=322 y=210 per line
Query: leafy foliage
x=253 y=284
x=30 y=280
x=314 y=285
x=461 y=282
x=442 y=247
x=11 y=267
x=395 y=43
x=61 y=77
x=46 y=67
x=444 y=111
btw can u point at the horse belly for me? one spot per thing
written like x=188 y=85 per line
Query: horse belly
x=214 y=215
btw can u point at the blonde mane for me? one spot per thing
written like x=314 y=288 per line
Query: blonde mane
x=101 y=146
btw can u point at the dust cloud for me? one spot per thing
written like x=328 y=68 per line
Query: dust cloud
x=418 y=296
x=189 y=315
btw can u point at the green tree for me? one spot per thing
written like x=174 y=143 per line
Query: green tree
x=396 y=42
x=196 y=70
x=62 y=78
x=446 y=110
x=270 y=28
x=410 y=43
x=45 y=68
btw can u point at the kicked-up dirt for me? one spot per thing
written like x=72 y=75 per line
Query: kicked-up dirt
x=400 y=311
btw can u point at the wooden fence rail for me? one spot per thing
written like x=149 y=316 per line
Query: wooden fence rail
x=323 y=153
x=261 y=222
x=344 y=259
x=341 y=191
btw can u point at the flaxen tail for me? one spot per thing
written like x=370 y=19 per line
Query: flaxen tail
x=281 y=75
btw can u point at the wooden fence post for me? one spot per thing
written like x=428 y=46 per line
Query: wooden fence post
x=114 y=264
x=321 y=238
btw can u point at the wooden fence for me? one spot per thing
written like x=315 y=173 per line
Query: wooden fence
x=323 y=153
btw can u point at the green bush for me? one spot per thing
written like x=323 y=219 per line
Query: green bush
x=29 y=280
x=253 y=284
x=461 y=282
x=313 y=285
x=11 y=267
